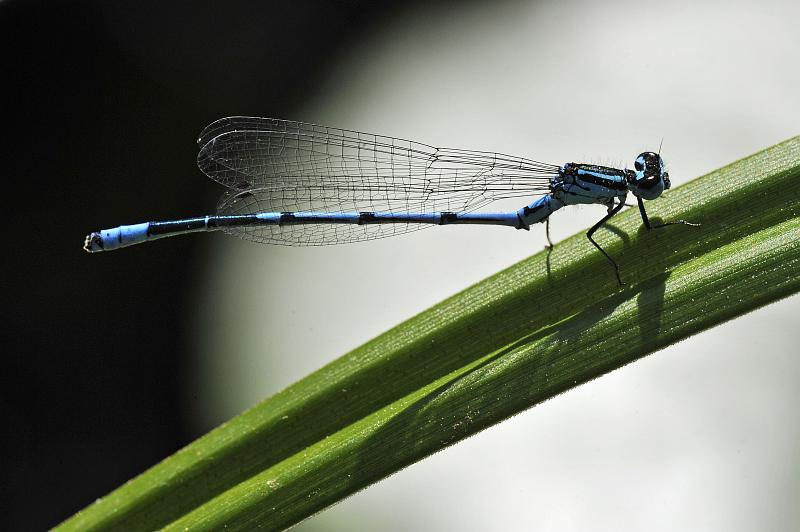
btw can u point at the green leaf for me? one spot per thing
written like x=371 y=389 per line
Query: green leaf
x=537 y=329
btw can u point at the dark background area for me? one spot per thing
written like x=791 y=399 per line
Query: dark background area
x=102 y=104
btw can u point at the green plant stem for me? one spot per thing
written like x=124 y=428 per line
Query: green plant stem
x=520 y=337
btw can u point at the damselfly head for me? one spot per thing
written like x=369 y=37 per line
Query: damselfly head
x=651 y=177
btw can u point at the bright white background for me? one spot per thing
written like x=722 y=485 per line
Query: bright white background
x=700 y=436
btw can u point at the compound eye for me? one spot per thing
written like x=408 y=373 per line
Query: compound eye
x=648 y=182
x=639 y=163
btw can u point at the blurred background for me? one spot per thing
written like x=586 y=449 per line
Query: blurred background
x=117 y=360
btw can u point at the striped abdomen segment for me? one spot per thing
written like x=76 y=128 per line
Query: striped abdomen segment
x=128 y=235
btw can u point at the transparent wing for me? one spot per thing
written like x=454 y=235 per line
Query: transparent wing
x=274 y=165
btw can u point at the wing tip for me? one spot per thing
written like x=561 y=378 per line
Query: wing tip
x=232 y=123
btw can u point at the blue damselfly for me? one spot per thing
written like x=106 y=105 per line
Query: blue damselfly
x=302 y=184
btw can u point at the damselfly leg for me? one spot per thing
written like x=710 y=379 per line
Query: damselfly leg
x=650 y=226
x=611 y=212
